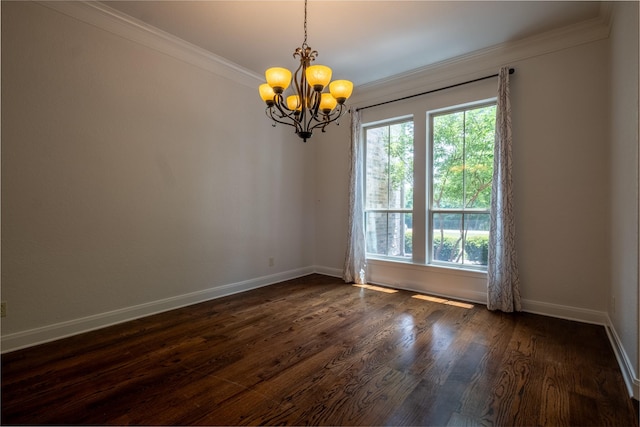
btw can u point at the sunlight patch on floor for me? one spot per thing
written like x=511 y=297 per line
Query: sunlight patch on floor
x=377 y=288
x=443 y=301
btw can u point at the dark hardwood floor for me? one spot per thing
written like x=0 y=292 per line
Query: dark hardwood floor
x=315 y=351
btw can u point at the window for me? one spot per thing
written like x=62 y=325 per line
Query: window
x=389 y=189
x=449 y=225
x=461 y=143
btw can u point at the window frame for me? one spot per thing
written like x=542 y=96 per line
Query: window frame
x=431 y=211
x=418 y=108
x=363 y=137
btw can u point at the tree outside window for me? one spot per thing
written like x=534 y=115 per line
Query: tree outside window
x=389 y=189
x=461 y=176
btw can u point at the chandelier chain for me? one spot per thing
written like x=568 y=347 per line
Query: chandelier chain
x=304 y=44
x=308 y=108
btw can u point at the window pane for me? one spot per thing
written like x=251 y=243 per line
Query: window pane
x=401 y=166
x=476 y=242
x=407 y=221
x=376 y=235
x=447 y=237
x=448 y=157
x=389 y=187
x=389 y=234
x=461 y=176
x=398 y=234
x=478 y=161
x=377 y=161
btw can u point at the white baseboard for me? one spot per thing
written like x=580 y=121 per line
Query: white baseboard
x=461 y=295
x=558 y=311
x=631 y=380
x=596 y=317
x=472 y=294
x=565 y=312
x=327 y=271
x=60 y=330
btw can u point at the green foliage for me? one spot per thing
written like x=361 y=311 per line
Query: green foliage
x=390 y=166
x=408 y=242
x=448 y=137
x=446 y=248
x=400 y=140
x=477 y=249
x=463 y=158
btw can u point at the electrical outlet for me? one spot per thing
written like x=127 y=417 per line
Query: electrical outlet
x=3 y=309
x=272 y=262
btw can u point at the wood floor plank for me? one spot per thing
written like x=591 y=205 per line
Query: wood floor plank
x=554 y=405
x=495 y=332
x=447 y=342
x=316 y=351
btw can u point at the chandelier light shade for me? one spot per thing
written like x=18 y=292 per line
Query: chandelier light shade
x=341 y=89
x=318 y=76
x=278 y=78
x=308 y=106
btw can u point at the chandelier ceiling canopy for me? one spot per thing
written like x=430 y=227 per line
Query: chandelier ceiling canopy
x=305 y=106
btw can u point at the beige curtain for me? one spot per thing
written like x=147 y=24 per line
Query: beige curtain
x=503 y=282
x=355 y=260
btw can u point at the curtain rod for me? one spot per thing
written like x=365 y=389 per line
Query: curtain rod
x=511 y=71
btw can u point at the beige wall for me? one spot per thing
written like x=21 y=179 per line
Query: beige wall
x=561 y=174
x=575 y=176
x=129 y=186
x=561 y=177
x=130 y=177
x=624 y=181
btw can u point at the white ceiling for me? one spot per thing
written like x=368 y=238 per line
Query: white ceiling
x=362 y=41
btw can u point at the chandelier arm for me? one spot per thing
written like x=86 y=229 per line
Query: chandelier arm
x=279 y=103
x=329 y=118
x=284 y=112
x=273 y=115
x=307 y=114
x=312 y=108
x=338 y=112
x=317 y=97
x=301 y=82
x=322 y=118
x=317 y=114
x=322 y=124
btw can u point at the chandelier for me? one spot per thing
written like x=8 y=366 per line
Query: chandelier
x=307 y=107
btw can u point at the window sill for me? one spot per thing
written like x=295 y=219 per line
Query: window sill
x=436 y=268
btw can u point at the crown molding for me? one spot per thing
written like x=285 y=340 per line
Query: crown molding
x=485 y=61
x=466 y=66
x=606 y=14
x=106 y=18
